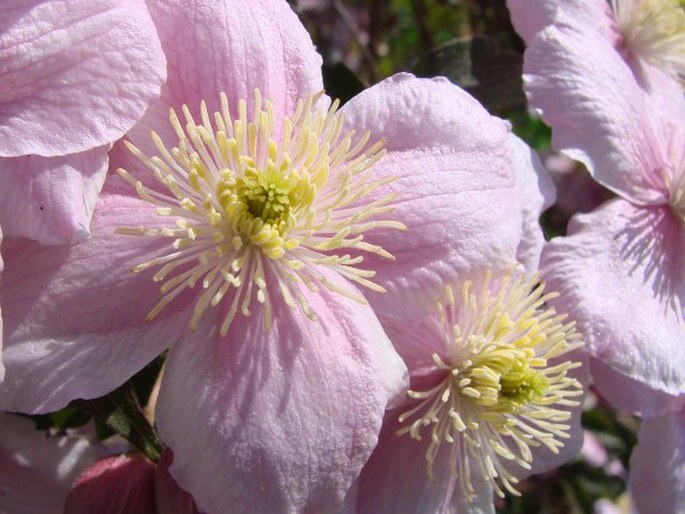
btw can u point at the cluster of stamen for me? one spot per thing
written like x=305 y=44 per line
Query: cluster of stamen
x=260 y=210
x=497 y=394
x=655 y=31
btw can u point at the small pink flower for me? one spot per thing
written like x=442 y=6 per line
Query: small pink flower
x=495 y=396
x=74 y=77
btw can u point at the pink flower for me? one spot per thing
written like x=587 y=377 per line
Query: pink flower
x=74 y=77
x=648 y=35
x=444 y=447
x=266 y=409
x=38 y=470
x=620 y=270
x=494 y=397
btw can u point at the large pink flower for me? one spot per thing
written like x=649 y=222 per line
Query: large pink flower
x=252 y=227
x=74 y=77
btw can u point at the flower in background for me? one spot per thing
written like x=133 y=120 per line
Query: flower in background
x=620 y=269
x=125 y=483
x=38 y=469
x=648 y=35
x=73 y=79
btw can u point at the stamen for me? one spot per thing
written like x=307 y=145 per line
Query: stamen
x=655 y=31
x=251 y=206
x=498 y=396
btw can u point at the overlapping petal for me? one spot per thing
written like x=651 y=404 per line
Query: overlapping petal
x=455 y=186
x=620 y=276
x=531 y=16
x=537 y=193
x=657 y=465
x=116 y=485
x=596 y=109
x=74 y=76
x=75 y=327
x=282 y=421
x=409 y=489
x=51 y=199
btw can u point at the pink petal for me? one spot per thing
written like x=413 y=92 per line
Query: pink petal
x=281 y=421
x=75 y=327
x=116 y=485
x=589 y=96
x=537 y=193
x=37 y=471
x=531 y=16
x=74 y=76
x=395 y=479
x=51 y=199
x=619 y=274
x=169 y=497
x=454 y=183
x=235 y=46
x=657 y=465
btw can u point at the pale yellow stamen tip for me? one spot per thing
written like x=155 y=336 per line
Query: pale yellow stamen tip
x=654 y=30
x=499 y=396
x=259 y=211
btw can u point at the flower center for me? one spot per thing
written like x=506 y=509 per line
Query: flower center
x=259 y=213
x=497 y=394
x=655 y=31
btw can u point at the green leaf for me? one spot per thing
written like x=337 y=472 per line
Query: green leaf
x=121 y=412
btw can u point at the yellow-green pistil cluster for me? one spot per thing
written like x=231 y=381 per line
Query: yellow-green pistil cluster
x=261 y=211
x=655 y=31
x=505 y=385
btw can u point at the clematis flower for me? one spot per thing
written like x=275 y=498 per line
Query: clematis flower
x=493 y=398
x=74 y=77
x=38 y=470
x=631 y=247
x=648 y=35
x=620 y=270
x=460 y=436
